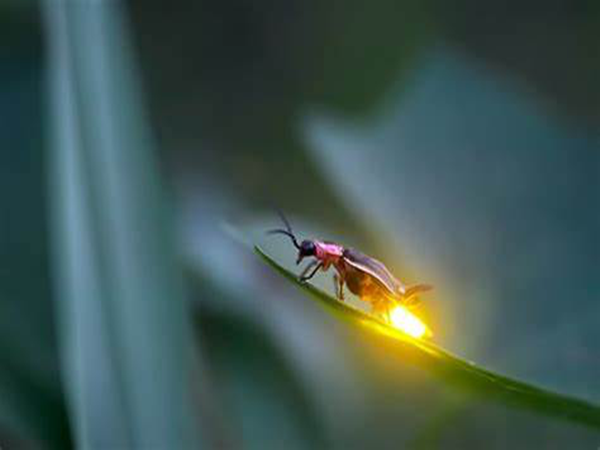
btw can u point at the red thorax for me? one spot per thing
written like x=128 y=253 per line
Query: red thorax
x=328 y=252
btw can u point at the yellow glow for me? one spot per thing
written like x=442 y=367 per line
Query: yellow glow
x=406 y=321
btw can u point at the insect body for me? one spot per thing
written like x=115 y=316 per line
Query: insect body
x=364 y=276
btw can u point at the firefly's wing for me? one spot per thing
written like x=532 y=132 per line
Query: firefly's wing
x=375 y=268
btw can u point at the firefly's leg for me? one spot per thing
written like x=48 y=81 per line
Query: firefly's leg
x=310 y=265
x=377 y=308
x=338 y=284
x=384 y=314
x=303 y=277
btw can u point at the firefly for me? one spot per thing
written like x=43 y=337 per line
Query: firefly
x=364 y=276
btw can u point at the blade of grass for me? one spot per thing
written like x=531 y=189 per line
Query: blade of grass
x=125 y=336
x=449 y=367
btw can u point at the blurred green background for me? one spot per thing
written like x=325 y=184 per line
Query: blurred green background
x=457 y=142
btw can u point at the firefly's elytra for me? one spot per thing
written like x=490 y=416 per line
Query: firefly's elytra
x=365 y=277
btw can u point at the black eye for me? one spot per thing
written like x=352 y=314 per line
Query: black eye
x=308 y=248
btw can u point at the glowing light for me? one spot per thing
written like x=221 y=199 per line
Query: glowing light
x=406 y=321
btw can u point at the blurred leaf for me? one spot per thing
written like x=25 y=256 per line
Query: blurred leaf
x=430 y=435
x=264 y=398
x=451 y=369
x=126 y=339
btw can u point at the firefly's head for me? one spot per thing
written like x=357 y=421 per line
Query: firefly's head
x=305 y=248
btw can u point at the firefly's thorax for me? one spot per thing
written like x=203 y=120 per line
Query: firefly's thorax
x=328 y=252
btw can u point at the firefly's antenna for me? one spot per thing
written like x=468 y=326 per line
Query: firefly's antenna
x=287 y=232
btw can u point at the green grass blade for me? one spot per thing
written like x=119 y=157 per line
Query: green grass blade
x=449 y=367
x=125 y=333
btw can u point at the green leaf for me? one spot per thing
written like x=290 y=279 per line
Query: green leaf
x=124 y=328
x=448 y=367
